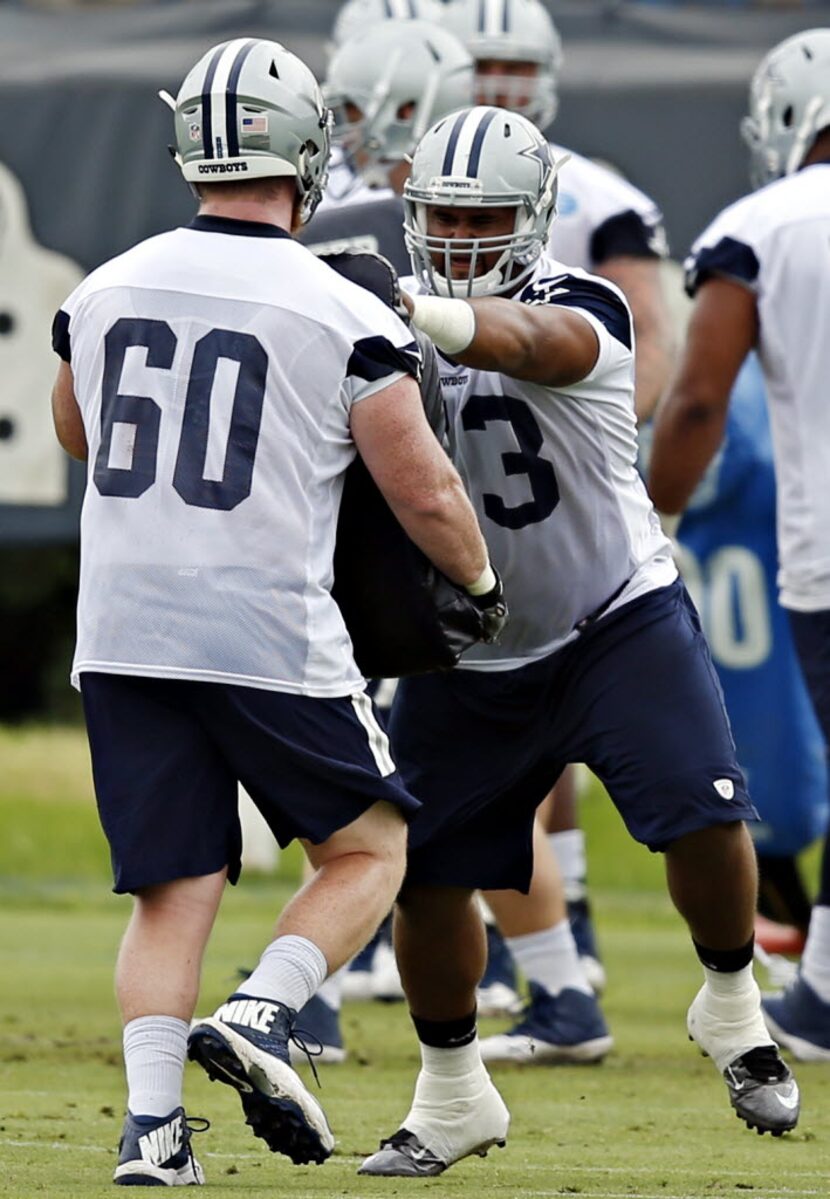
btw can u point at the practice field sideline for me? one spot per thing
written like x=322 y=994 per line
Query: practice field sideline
x=652 y=1121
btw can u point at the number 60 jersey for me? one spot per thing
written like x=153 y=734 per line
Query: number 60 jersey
x=215 y=367
x=552 y=474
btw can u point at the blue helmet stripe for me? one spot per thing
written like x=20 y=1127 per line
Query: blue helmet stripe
x=387 y=8
x=446 y=167
x=413 y=12
x=478 y=141
x=207 y=118
x=505 y=17
x=482 y=13
x=231 y=122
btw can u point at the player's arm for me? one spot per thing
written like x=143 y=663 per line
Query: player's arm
x=544 y=344
x=417 y=479
x=640 y=280
x=690 y=422
x=66 y=414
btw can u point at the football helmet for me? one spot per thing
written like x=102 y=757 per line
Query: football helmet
x=250 y=109
x=401 y=76
x=357 y=15
x=481 y=157
x=789 y=104
x=511 y=31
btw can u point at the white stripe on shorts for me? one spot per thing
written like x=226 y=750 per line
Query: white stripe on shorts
x=378 y=741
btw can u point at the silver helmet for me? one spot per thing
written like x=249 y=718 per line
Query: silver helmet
x=480 y=157
x=401 y=76
x=789 y=104
x=357 y=15
x=250 y=109
x=519 y=31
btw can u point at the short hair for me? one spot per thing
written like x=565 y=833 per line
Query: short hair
x=269 y=188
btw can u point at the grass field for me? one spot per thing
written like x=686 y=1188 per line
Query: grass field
x=652 y=1121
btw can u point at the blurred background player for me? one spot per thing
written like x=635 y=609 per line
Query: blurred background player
x=761 y=279
x=345 y=184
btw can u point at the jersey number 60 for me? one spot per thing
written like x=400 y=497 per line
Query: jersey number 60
x=143 y=414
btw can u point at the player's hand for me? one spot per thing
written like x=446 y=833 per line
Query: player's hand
x=493 y=610
x=407 y=302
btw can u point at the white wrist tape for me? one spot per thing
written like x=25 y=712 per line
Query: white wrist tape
x=451 y=324
x=485 y=582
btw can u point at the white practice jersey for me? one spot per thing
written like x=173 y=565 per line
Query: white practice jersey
x=601 y=215
x=552 y=473
x=344 y=187
x=215 y=367
x=776 y=242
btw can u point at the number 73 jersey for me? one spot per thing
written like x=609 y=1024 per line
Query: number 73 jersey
x=553 y=478
x=215 y=368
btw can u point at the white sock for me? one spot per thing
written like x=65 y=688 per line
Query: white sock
x=451 y=1063
x=290 y=971
x=550 y=958
x=331 y=991
x=737 y=984
x=569 y=849
x=155 y=1048
x=815 y=962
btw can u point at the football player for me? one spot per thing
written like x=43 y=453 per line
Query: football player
x=761 y=279
x=354 y=18
x=603 y=662
x=210 y=650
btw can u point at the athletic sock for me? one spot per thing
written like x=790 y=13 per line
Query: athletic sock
x=734 y=984
x=815 y=962
x=290 y=971
x=550 y=958
x=449 y=1048
x=569 y=849
x=155 y=1048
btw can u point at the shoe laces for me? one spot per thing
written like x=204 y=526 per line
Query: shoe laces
x=764 y=1064
x=309 y=1044
x=194 y=1124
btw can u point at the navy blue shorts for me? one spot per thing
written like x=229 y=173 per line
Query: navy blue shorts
x=635 y=697
x=167 y=755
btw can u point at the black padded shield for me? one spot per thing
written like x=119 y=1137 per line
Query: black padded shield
x=403 y=615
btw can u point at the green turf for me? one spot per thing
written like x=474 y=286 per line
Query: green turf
x=652 y=1121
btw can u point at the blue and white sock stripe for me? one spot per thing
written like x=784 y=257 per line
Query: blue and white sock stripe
x=493 y=16
x=378 y=741
x=463 y=152
x=220 y=126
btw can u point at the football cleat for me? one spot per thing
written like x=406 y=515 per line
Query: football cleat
x=450 y=1118
x=568 y=1027
x=155 y=1152
x=497 y=994
x=318 y=1021
x=800 y=1020
x=245 y=1044
x=582 y=927
x=761 y=1088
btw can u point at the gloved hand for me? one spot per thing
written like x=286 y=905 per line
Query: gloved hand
x=493 y=609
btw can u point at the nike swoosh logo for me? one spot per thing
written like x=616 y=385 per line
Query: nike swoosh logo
x=790 y=1101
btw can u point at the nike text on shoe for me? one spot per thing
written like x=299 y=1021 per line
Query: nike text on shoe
x=449 y=1119
x=761 y=1088
x=245 y=1044
x=155 y=1152
x=318 y=1022
x=799 y=1019
x=568 y=1027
